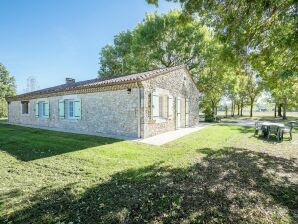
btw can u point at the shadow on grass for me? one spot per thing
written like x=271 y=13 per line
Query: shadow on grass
x=28 y=144
x=231 y=185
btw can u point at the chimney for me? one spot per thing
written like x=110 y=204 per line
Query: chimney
x=70 y=80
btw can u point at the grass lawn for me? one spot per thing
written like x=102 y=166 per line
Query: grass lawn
x=218 y=175
x=3 y=119
x=263 y=116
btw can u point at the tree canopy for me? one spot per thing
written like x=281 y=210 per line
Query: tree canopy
x=159 y=41
x=261 y=34
x=7 y=88
x=234 y=49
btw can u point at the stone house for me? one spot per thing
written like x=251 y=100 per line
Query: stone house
x=134 y=106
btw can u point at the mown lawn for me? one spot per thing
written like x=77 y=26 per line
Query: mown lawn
x=218 y=175
x=262 y=116
x=3 y=119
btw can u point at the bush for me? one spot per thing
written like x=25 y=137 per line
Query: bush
x=209 y=116
x=3 y=108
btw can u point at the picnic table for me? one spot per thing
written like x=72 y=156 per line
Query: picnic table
x=268 y=128
x=272 y=128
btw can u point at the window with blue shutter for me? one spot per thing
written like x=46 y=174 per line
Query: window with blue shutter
x=42 y=109
x=70 y=109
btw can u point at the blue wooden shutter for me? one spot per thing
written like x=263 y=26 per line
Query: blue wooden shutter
x=61 y=109
x=155 y=105
x=78 y=109
x=37 y=109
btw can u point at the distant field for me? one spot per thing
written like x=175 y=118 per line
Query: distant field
x=267 y=114
x=3 y=119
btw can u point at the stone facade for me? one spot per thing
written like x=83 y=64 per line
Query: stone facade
x=177 y=83
x=109 y=113
x=125 y=111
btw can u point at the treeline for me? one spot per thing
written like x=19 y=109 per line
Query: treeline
x=233 y=51
x=7 y=88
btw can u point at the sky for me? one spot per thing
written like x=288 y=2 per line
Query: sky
x=52 y=40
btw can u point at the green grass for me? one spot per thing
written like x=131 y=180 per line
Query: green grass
x=260 y=115
x=3 y=119
x=218 y=175
x=268 y=116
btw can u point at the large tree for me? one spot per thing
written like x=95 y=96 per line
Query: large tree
x=263 y=34
x=159 y=41
x=7 y=88
x=245 y=23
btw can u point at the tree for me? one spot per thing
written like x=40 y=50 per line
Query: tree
x=253 y=89
x=244 y=23
x=213 y=76
x=7 y=88
x=260 y=33
x=159 y=41
x=278 y=68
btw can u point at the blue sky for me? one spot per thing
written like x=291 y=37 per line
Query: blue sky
x=55 y=39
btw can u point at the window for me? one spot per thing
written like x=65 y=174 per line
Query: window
x=71 y=109
x=155 y=105
x=159 y=105
x=42 y=109
x=43 y=112
x=25 y=107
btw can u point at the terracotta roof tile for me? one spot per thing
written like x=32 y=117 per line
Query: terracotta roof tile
x=114 y=80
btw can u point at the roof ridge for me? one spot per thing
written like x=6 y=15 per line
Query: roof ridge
x=113 y=80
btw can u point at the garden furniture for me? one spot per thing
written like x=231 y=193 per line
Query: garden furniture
x=258 y=127
x=287 y=130
x=272 y=128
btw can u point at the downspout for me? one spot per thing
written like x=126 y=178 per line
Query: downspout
x=139 y=109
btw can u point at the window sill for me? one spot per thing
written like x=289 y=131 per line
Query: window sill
x=160 y=120
x=71 y=119
x=25 y=115
x=43 y=118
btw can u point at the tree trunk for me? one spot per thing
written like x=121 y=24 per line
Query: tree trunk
x=241 y=109
x=238 y=108
x=212 y=106
x=226 y=111
x=232 y=109
x=284 y=115
x=279 y=110
x=275 y=110
x=251 y=106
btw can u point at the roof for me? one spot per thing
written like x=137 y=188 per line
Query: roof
x=98 y=82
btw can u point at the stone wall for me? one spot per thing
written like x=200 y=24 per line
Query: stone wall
x=116 y=112
x=177 y=83
x=109 y=112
